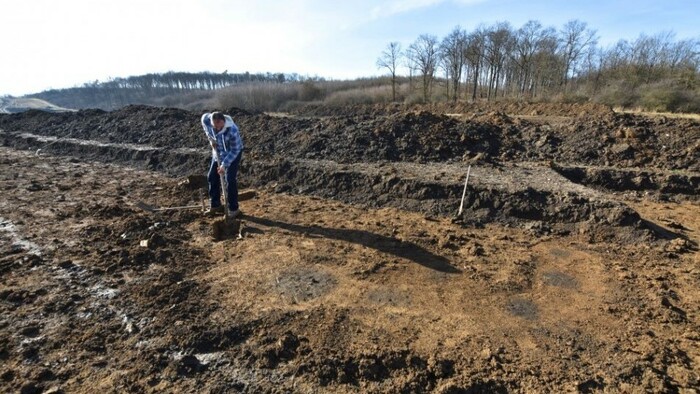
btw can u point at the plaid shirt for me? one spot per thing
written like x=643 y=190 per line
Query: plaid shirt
x=228 y=141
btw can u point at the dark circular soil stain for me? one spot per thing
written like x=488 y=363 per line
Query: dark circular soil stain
x=559 y=279
x=304 y=284
x=522 y=308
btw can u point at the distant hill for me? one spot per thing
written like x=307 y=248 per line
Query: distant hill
x=10 y=105
x=167 y=89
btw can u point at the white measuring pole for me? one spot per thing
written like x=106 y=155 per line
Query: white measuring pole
x=464 y=193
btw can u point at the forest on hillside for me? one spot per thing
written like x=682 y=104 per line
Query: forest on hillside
x=535 y=62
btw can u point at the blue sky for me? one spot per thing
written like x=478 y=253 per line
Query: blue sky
x=58 y=44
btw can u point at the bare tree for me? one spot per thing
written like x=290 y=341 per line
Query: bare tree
x=499 y=43
x=650 y=58
x=617 y=56
x=443 y=65
x=423 y=57
x=530 y=40
x=474 y=55
x=547 y=65
x=576 y=39
x=452 y=53
x=389 y=59
x=685 y=54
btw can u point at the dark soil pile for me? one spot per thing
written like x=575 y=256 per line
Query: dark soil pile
x=511 y=108
x=390 y=133
x=626 y=140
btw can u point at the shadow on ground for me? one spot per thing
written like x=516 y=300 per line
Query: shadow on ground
x=398 y=248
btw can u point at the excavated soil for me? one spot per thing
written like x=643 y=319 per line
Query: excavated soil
x=591 y=137
x=573 y=268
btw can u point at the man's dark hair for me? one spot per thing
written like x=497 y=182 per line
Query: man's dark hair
x=217 y=116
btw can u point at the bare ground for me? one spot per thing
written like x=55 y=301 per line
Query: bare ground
x=574 y=267
x=319 y=295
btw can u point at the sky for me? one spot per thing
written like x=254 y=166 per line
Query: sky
x=53 y=44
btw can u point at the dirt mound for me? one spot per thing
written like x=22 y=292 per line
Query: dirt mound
x=670 y=184
x=317 y=110
x=513 y=195
x=626 y=140
x=509 y=107
x=407 y=136
x=135 y=124
x=236 y=112
x=555 y=109
x=385 y=133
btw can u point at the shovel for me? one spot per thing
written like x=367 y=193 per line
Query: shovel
x=223 y=227
x=151 y=208
x=242 y=196
x=224 y=188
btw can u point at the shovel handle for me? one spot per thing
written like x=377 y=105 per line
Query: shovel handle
x=224 y=187
x=224 y=184
x=176 y=208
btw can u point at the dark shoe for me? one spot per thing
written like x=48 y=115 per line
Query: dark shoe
x=236 y=213
x=214 y=211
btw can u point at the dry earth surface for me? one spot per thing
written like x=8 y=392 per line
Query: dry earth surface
x=353 y=275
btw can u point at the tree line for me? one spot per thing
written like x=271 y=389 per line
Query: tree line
x=535 y=61
x=148 y=88
x=532 y=62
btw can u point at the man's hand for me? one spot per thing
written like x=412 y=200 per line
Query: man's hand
x=221 y=170
x=213 y=144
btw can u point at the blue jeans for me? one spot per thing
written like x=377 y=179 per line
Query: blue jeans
x=215 y=184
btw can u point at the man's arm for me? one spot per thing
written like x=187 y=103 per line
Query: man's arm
x=233 y=146
x=208 y=129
